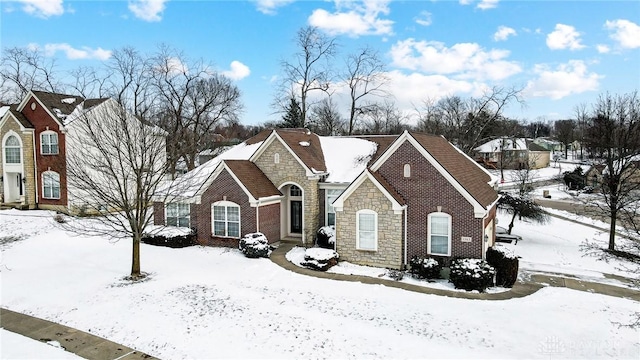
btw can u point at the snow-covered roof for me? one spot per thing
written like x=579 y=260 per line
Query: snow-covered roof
x=4 y=109
x=346 y=157
x=506 y=143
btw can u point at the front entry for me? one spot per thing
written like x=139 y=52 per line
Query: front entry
x=13 y=187
x=296 y=217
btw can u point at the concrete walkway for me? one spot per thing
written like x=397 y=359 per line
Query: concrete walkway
x=520 y=289
x=74 y=341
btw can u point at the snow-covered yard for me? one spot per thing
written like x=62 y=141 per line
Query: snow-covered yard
x=202 y=302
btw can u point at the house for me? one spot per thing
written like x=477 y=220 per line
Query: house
x=630 y=174
x=35 y=151
x=513 y=153
x=389 y=197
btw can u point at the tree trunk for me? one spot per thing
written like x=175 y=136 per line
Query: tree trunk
x=513 y=218
x=612 y=230
x=135 y=260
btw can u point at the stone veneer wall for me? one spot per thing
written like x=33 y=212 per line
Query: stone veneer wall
x=29 y=189
x=390 y=229
x=289 y=170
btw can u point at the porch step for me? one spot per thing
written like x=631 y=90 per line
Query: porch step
x=291 y=240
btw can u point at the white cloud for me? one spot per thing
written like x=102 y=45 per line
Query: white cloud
x=76 y=54
x=463 y=60
x=354 y=18
x=43 y=8
x=566 y=79
x=238 y=71
x=269 y=7
x=483 y=5
x=602 y=49
x=503 y=33
x=424 y=18
x=564 y=37
x=147 y=10
x=625 y=32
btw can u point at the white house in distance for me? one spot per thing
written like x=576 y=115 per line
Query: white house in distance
x=512 y=153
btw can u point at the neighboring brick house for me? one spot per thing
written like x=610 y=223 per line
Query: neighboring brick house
x=32 y=133
x=389 y=197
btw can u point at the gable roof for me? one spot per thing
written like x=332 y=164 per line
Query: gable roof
x=383 y=141
x=346 y=157
x=532 y=146
x=397 y=202
x=22 y=120
x=301 y=143
x=252 y=178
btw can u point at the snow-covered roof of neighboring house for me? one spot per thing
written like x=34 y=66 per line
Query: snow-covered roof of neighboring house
x=509 y=144
x=346 y=157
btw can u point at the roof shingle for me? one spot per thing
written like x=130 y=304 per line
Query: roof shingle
x=252 y=178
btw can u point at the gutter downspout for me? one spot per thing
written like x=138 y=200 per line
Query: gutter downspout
x=405 y=236
x=258 y=217
x=35 y=168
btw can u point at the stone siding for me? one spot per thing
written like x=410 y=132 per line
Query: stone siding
x=390 y=229
x=289 y=170
x=424 y=191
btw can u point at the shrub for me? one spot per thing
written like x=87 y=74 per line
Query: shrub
x=319 y=259
x=170 y=239
x=471 y=274
x=326 y=237
x=425 y=268
x=506 y=264
x=396 y=275
x=60 y=218
x=254 y=245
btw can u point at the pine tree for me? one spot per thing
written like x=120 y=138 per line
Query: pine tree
x=293 y=117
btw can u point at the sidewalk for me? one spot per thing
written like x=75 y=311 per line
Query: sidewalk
x=520 y=289
x=74 y=341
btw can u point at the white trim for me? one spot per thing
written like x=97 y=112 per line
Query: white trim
x=285 y=210
x=45 y=173
x=338 y=205
x=449 y=225
x=479 y=211
x=326 y=206
x=5 y=118
x=267 y=142
x=24 y=102
x=406 y=170
x=226 y=205
x=4 y=150
x=49 y=132
x=176 y=203
x=375 y=229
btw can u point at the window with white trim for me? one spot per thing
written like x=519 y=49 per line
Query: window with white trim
x=225 y=220
x=407 y=170
x=178 y=214
x=295 y=191
x=12 y=150
x=331 y=196
x=50 y=185
x=439 y=237
x=48 y=143
x=367 y=230
x=276 y=158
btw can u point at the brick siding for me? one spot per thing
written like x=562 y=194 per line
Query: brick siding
x=269 y=219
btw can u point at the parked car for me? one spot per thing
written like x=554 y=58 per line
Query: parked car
x=503 y=236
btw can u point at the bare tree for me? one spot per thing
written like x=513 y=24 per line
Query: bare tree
x=309 y=70
x=383 y=118
x=564 y=132
x=23 y=69
x=325 y=119
x=115 y=164
x=613 y=137
x=582 y=119
x=191 y=101
x=364 y=77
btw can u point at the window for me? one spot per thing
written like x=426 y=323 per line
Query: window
x=367 y=230
x=332 y=195
x=439 y=225
x=178 y=215
x=50 y=185
x=295 y=191
x=49 y=143
x=12 y=150
x=407 y=170
x=226 y=219
x=276 y=158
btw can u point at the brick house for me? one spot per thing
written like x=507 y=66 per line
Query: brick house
x=389 y=197
x=34 y=138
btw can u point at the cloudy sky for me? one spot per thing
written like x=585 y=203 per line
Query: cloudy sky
x=561 y=53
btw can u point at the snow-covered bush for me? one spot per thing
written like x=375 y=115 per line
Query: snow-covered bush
x=425 y=268
x=506 y=264
x=471 y=274
x=254 y=245
x=319 y=259
x=170 y=236
x=326 y=237
x=60 y=218
x=396 y=275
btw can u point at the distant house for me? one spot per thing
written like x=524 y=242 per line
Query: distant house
x=513 y=153
x=35 y=148
x=389 y=197
x=597 y=173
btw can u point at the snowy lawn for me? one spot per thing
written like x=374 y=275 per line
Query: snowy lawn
x=215 y=303
x=15 y=346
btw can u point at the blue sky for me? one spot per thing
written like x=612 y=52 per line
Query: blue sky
x=562 y=53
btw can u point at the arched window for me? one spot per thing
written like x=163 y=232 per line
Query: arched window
x=439 y=234
x=407 y=170
x=48 y=143
x=225 y=220
x=276 y=158
x=12 y=150
x=50 y=185
x=367 y=230
x=295 y=191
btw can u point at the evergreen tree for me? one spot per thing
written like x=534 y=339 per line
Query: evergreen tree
x=293 y=117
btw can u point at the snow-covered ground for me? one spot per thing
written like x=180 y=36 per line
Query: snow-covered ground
x=551 y=172
x=203 y=302
x=15 y=346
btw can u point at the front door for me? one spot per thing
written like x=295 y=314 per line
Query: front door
x=13 y=189
x=296 y=216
